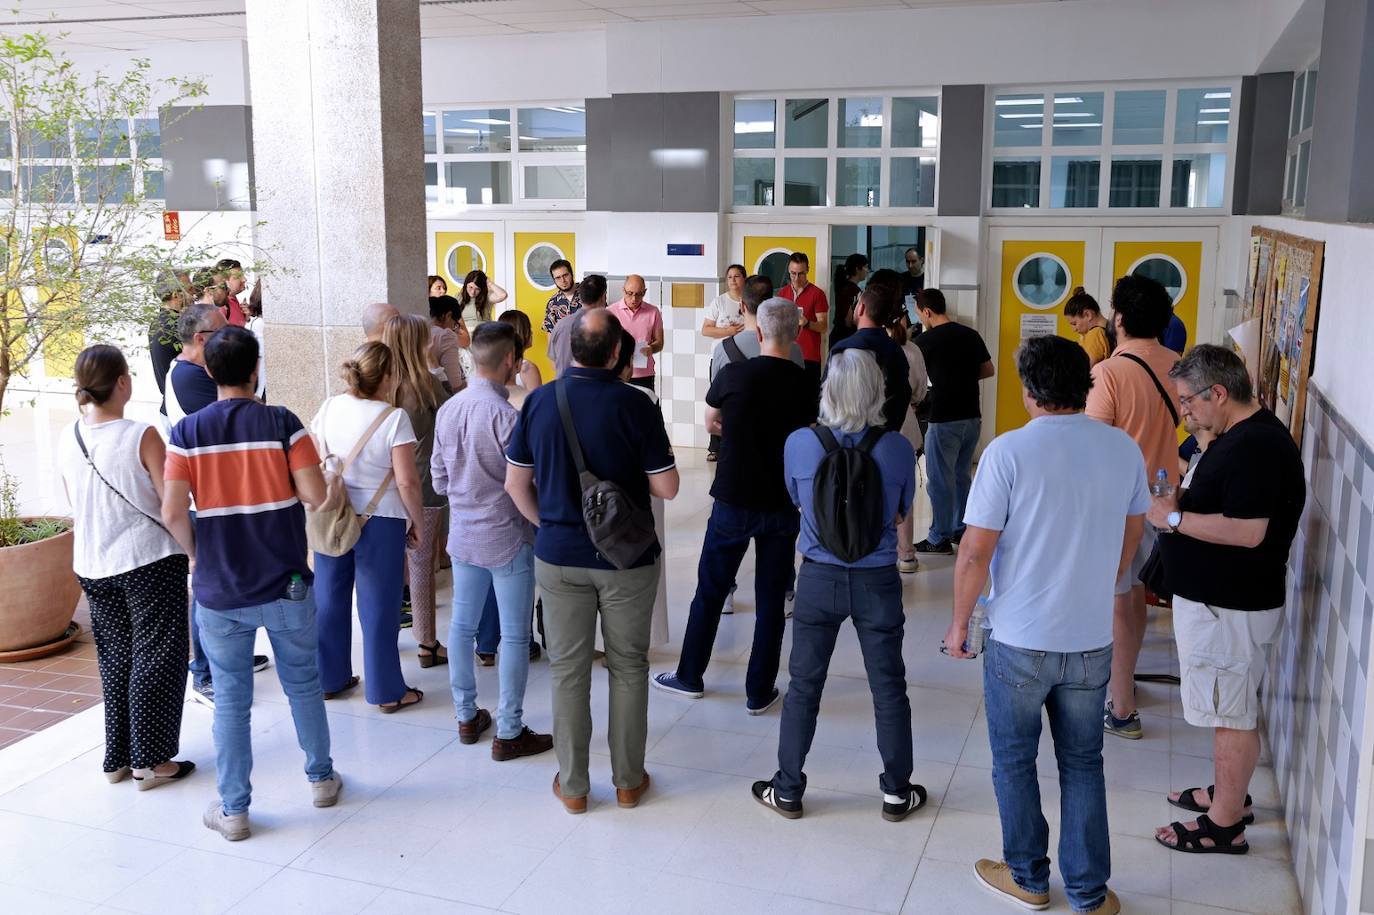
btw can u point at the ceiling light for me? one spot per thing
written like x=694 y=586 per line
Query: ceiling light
x=1067 y=100
x=1003 y=102
x=1224 y=94
x=1074 y=114
x=753 y=127
x=1214 y=122
x=1214 y=111
x=1010 y=115
x=490 y=122
x=1034 y=126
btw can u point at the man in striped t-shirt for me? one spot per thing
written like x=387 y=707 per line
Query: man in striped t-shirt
x=250 y=468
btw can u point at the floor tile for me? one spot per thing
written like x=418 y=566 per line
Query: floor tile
x=194 y=881
x=1249 y=883
x=291 y=890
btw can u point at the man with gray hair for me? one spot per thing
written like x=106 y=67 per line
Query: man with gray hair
x=753 y=406
x=1225 y=543
x=375 y=317
x=865 y=588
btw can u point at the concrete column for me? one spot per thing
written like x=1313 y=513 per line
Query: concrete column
x=339 y=164
x=1339 y=185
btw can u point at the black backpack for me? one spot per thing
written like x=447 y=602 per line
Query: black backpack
x=847 y=496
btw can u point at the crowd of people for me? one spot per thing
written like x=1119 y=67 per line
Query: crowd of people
x=545 y=496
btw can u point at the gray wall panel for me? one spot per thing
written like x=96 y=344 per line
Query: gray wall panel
x=691 y=128
x=1340 y=187
x=1262 y=144
x=654 y=153
x=207 y=154
x=961 y=151
x=600 y=174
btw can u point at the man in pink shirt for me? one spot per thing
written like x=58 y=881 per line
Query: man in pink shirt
x=814 y=308
x=645 y=324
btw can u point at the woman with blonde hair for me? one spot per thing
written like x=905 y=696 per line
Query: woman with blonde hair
x=420 y=395
x=132 y=570
x=385 y=490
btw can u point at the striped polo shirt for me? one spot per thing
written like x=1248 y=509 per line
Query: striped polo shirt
x=237 y=455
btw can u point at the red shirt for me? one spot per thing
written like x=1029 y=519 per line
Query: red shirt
x=812 y=302
x=235 y=314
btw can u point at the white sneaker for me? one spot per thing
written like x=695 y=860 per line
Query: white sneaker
x=729 y=606
x=326 y=793
x=234 y=828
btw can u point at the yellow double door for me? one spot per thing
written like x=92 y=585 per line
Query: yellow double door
x=1036 y=270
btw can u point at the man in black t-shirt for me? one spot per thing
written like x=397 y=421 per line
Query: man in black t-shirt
x=877 y=308
x=1225 y=550
x=164 y=343
x=754 y=406
x=956 y=361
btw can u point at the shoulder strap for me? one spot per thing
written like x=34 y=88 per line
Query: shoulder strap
x=366 y=437
x=870 y=439
x=561 y=391
x=732 y=350
x=1168 y=401
x=81 y=443
x=827 y=438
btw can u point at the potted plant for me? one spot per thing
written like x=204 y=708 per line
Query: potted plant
x=41 y=591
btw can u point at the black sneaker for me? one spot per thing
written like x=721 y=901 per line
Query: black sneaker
x=407 y=621
x=958 y=536
x=405 y=596
x=766 y=795
x=944 y=547
x=897 y=807
x=260 y=663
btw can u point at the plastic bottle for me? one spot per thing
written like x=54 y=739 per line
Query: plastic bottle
x=1160 y=486
x=296 y=587
x=977 y=631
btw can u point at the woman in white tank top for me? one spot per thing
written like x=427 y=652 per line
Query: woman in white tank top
x=133 y=573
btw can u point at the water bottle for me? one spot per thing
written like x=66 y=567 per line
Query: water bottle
x=1160 y=486
x=296 y=588
x=977 y=631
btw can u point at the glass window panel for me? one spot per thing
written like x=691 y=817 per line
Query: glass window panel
x=755 y=123
x=1016 y=182
x=48 y=183
x=1300 y=185
x=1018 y=120
x=6 y=189
x=1074 y=181
x=6 y=144
x=431 y=133
x=803 y=182
x=913 y=182
x=754 y=182
x=555 y=182
x=477 y=183
x=148 y=133
x=1078 y=119
x=1138 y=118
x=560 y=128
x=1135 y=181
x=805 y=123
x=915 y=122
x=431 y=182
x=857 y=182
x=1199 y=180
x=154 y=186
x=106 y=184
x=44 y=143
x=1291 y=179
x=1165 y=272
x=1203 y=115
x=106 y=139
x=477 y=131
x=1295 y=114
x=1042 y=281
x=1309 y=98
x=859 y=123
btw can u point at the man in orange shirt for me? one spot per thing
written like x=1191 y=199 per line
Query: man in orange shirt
x=1132 y=391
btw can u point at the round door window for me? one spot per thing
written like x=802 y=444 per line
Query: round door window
x=773 y=265
x=57 y=258
x=1163 y=270
x=538 y=260
x=463 y=258
x=1041 y=280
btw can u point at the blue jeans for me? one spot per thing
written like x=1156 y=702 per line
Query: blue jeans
x=949 y=464
x=489 y=628
x=513 y=585
x=1017 y=684
x=728 y=533
x=826 y=596
x=199 y=665
x=228 y=637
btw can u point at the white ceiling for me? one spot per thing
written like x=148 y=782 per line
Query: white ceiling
x=132 y=24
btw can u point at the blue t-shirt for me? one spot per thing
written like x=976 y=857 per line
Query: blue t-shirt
x=1059 y=489
x=897 y=463
x=896 y=371
x=1175 y=336
x=623 y=441
x=192 y=386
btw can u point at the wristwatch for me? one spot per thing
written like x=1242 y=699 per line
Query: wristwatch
x=1174 y=520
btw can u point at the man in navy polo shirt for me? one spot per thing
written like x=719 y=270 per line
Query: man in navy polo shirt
x=623 y=441
x=876 y=309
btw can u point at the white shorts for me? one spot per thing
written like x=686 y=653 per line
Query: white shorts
x=1221 y=657
x=1131 y=577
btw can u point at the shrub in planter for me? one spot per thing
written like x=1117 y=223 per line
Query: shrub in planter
x=40 y=592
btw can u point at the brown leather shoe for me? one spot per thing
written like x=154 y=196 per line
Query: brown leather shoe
x=573 y=805
x=469 y=731
x=526 y=743
x=629 y=797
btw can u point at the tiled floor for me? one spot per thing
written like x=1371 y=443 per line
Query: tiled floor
x=38 y=694
x=429 y=825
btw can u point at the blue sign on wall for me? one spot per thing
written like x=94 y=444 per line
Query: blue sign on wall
x=686 y=250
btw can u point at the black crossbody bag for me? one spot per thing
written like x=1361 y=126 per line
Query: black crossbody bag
x=1152 y=573
x=96 y=470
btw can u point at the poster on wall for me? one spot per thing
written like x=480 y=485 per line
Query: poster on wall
x=1283 y=293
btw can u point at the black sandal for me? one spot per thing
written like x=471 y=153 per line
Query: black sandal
x=433 y=657
x=352 y=682
x=391 y=707
x=1223 y=838
x=1185 y=801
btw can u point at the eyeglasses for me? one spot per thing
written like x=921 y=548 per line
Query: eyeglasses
x=1205 y=394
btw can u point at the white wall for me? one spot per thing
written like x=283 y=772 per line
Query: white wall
x=514 y=68
x=221 y=65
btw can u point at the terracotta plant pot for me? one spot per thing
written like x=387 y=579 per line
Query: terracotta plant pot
x=39 y=594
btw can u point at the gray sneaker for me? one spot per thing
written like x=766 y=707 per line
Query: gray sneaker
x=1128 y=727
x=234 y=828
x=203 y=693
x=326 y=793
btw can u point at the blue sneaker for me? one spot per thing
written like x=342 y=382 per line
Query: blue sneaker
x=1128 y=727
x=670 y=683
x=771 y=701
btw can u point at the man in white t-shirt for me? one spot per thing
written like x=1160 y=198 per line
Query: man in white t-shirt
x=1050 y=612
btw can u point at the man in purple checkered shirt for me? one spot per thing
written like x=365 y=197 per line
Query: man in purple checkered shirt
x=491 y=543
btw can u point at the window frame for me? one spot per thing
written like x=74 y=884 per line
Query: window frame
x=885 y=152
x=14 y=165
x=516 y=160
x=1166 y=152
x=1298 y=114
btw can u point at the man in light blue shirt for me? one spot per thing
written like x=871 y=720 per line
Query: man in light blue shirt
x=1056 y=512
